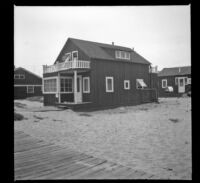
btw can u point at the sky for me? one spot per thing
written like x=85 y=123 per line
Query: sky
x=161 y=34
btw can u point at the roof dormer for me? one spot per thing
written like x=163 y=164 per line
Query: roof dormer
x=122 y=55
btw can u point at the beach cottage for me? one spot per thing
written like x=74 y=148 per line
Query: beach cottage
x=178 y=79
x=91 y=75
x=26 y=84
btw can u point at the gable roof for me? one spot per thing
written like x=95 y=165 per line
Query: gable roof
x=175 y=71
x=98 y=51
x=18 y=68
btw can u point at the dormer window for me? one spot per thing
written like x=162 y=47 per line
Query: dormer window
x=122 y=55
x=75 y=55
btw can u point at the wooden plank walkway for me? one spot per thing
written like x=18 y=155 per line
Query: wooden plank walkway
x=36 y=159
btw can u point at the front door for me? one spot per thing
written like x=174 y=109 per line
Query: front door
x=79 y=89
x=181 y=85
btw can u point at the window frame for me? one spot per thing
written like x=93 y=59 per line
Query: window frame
x=186 y=83
x=162 y=83
x=72 y=56
x=50 y=92
x=16 y=76
x=127 y=88
x=19 y=76
x=22 y=77
x=27 y=89
x=67 y=77
x=118 y=55
x=112 y=84
x=138 y=85
x=88 y=79
x=176 y=80
x=189 y=81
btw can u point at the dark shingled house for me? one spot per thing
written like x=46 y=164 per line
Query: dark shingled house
x=91 y=75
x=26 y=84
x=178 y=78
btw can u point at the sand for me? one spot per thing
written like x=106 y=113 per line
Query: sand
x=155 y=138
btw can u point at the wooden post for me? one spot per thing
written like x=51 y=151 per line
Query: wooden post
x=75 y=87
x=58 y=85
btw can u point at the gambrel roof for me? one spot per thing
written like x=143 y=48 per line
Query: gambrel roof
x=99 y=51
x=175 y=71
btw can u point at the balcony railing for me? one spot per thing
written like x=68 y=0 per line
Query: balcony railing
x=153 y=69
x=76 y=64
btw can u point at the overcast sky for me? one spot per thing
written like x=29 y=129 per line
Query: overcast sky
x=161 y=34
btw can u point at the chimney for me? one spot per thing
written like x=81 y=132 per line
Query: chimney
x=112 y=43
x=133 y=48
x=179 y=69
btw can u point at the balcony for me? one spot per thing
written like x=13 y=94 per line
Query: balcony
x=76 y=64
x=153 y=69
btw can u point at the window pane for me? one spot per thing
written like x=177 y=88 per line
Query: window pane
x=122 y=54
x=85 y=85
x=109 y=84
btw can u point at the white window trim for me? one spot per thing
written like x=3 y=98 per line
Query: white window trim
x=22 y=77
x=189 y=81
x=138 y=85
x=73 y=54
x=185 y=80
x=86 y=91
x=162 y=83
x=66 y=56
x=43 y=79
x=127 y=81
x=176 y=80
x=112 y=90
x=127 y=55
x=28 y=87
x=19 y=76
x=68 y=77
x=16 y=76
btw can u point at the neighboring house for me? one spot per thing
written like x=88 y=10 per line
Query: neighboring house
x=177 y=78
x=91 y=75
x=26 y=84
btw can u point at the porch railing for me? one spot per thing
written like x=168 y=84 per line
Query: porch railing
x=77 y=64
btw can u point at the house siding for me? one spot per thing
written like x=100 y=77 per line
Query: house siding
x=119 y=71
x=50 y=99
x=20 y=92
x=171 y=82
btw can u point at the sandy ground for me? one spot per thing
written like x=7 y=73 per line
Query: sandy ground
x=155 y=138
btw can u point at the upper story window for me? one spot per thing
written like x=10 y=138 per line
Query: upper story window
x=75 y=55
x=122 y=55
x=66 y=57
x=19 y=76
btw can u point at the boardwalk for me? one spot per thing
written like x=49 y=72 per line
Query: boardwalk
x=36 y=159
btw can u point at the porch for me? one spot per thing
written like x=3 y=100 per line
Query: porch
x=67 y=88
